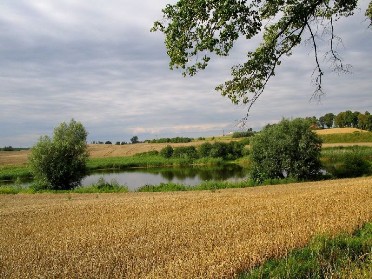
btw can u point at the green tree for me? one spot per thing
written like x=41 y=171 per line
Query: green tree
x=328 y=119
x=194 y=30
x=289 y=148
x=340 y=120
x=59 y=163
x=134 y=140
x=167 y=151
x=204 y=150
x=185 y=152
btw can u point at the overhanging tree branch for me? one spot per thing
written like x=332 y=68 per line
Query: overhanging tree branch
x=203 y=27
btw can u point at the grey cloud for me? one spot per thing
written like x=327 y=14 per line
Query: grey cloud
x=99 y=64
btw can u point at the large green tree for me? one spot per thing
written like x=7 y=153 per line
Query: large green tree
x=287 y=149
x=328 y=119
x=59 y=163
x=196 y=29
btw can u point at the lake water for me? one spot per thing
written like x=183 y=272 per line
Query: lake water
x=135 y=178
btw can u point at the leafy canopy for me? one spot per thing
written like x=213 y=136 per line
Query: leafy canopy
x=196 y=29
x=59 y=163
x=289 y=148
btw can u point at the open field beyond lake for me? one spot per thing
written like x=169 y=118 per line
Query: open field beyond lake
x=102 y=150
x=199 y=234
x=19 y=158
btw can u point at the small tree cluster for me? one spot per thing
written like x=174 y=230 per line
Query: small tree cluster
x=354 y=119
x=59 y=163
x=170 y=140
x=287 y=149
x=229 y=151
x=243 y=134
x=7 y=148
x=345 y=119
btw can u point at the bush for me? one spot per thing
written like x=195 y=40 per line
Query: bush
x=287 y=149
x=205 y=150
x=185 y=152
x=167 y=151
x=242 y=134
x=60 y=163
x=229 y=151
x=353 y=165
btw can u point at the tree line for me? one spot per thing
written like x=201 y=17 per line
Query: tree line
x=226 y=151
x=344 y=119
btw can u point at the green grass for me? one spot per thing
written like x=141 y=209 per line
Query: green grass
x=144 y=161
x=101 y=186
x=340 y=256
x=350 y=161
x=13 y=172
x=211 y=185
x=347 y=138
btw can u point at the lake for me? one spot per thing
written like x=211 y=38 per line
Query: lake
x=135 y=178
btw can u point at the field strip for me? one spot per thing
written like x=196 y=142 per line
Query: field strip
x=201 y=234
x=101 y=150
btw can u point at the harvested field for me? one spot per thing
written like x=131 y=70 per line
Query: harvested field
x=14 y=157
x=99 y=151
x=105 y=150
x=339 y=131
x=200 y=234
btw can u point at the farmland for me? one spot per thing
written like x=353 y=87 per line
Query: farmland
x=198 y=234
x=102 y=151
x=334 y=137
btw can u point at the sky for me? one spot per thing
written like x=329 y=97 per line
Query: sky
x=98 y=63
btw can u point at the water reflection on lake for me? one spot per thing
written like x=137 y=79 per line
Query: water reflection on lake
x=135 y=178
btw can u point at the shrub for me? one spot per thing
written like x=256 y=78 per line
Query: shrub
x=287 y=149
x=59 y=163
x=353 y=165
x=205 y=150
x=185 y=152
x=243 y=134
x=167 y=151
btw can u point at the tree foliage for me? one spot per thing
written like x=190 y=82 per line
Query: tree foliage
x=228 y=151
x=194 y=30
x=59 y=163
x=289 y=148
x=134 y=139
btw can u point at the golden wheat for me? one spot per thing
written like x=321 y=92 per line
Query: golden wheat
x=339 y=131
x=199 y=234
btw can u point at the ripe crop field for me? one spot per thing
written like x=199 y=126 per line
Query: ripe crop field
x=201 y=234
x=339 y=131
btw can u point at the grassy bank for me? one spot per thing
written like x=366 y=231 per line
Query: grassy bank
x=343 y=256
x=14 y=172
x=343 y=162
x=146 y=161
x=103 y=186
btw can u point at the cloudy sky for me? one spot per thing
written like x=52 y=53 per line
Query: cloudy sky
x=97 y=62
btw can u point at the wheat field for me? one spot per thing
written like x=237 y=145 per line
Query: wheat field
x=339 y=131
x=200 y=234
